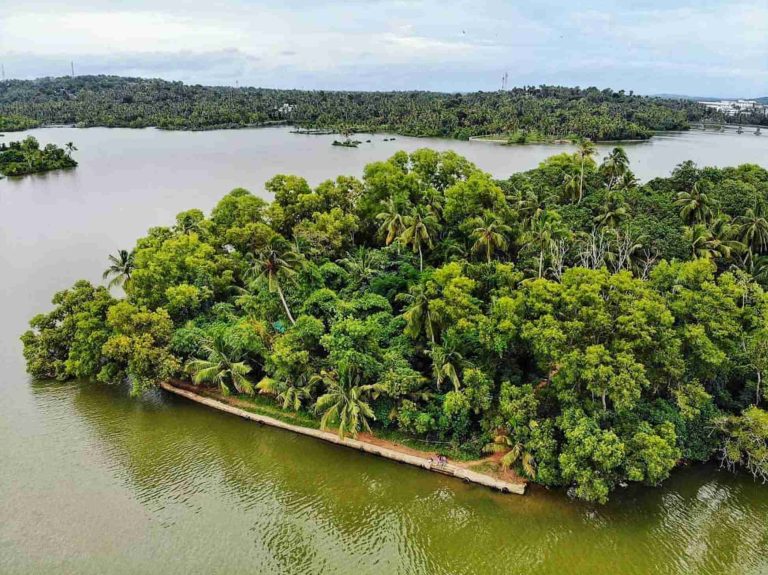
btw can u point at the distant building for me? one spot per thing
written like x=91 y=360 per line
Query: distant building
x=735 y=107
x=286 y=108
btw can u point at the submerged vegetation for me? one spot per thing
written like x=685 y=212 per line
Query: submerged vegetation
x=588 y=329
x=544 y=112
x=27 y=157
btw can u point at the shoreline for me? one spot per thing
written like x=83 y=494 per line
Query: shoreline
x=404 y=455
x=555 y=142
x=488 y=138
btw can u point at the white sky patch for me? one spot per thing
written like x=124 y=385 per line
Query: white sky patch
x=629 y=45
x=116 y=31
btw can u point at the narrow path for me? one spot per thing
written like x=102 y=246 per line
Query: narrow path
x=466 y=475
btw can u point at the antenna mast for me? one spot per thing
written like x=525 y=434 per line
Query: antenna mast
x=504 y=79
x=72 y=65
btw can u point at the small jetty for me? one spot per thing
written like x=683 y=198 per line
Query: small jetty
x=466 y=475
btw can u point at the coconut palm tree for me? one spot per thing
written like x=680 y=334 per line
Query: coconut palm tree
x=70 y=147
x=753 y=229
x=699 y=238
x=489 y=235
x=346 y=401
x=571 y=187
x=542 y=236
x=615 y=165
x=362 y=265
x=586 y=150
x=420 y=226
x=120 y=269
x=451 y=249
x=290 y=394
x=759 y=269
x=418 y=315
x=223 y=366
x=392 y=221
x=445 y=360
x=696 y=206
x=434 y=200
x=628 y=181
x=275 y=264
x=614 y=210
x=529 y=204
x=513 y=452
x=711 y=241
x=726 y=232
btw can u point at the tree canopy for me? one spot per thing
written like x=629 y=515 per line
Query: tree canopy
x=592 y=330
x=27 y=157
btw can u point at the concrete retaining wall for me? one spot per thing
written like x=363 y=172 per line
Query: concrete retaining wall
x=466 y=475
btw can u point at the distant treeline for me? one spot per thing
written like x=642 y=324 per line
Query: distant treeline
x=547 y=110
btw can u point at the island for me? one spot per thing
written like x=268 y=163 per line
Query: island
x=27 y=157
x=348 y=143
x=569 y=326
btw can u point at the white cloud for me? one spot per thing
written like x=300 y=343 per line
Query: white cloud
x=103 y=32
x=647 y=45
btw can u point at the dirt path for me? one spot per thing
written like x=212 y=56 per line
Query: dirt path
x=486 y=466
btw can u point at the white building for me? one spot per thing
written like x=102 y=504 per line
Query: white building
x=734 y=107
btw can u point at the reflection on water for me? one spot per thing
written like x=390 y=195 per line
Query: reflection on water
x=94 y=482
x=207 y=488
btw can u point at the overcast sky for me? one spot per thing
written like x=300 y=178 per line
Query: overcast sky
x=702 y=48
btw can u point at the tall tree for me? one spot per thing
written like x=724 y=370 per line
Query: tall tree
x=445 y=360
x=542 y=236
x=753 y=229
x=572 y=187
x=615 y=166
x=392 y=221
x=276 y=264
x=120 y=268
x=711 y=241
x=490 y=234
x=418 y=314
x=586 y=150
x=420 y=227
x=614 y=210
x=696 y=206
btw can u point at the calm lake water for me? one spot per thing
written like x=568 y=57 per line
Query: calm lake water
x=92 y=481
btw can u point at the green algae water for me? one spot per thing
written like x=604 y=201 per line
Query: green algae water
x=93 y=481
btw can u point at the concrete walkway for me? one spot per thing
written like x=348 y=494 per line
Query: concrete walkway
x=466 y=475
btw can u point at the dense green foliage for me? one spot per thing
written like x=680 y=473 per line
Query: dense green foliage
x=593 y=330
x=544 y=112
x=27 y=157
x=17 y=123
